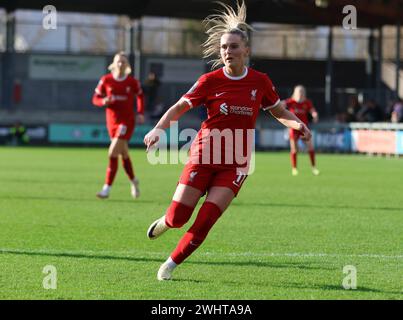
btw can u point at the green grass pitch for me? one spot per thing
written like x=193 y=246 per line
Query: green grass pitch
x=284 y=237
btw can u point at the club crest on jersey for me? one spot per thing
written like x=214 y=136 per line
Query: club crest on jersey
x=127 y=89
x=253 y=94
x=224 y=109
x=192 y=176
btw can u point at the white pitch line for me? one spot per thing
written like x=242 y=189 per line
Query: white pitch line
x=310 y=255
x=133 y=254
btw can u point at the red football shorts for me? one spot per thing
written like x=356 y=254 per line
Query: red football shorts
x=204 y=177
x=121 y=130
x=294 y=134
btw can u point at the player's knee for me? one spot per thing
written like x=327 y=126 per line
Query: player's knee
x=208 y=216
x=178 y=214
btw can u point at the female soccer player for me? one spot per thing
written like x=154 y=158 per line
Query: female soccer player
x=233 y=96
x=116 y=92
x=299 y=105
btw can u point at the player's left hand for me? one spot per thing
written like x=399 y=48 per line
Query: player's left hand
x=306 y=133
x=151 y=138
x=140 y=118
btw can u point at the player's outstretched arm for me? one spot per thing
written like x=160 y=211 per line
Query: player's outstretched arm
x=290 y=120
x=172 y=114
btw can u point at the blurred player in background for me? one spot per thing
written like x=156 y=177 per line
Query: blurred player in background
x=233 y=96
x=302 y=107
x=116 y=92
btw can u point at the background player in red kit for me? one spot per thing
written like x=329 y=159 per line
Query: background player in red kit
x=116 y=92
x=233 y=96
x=299 y=105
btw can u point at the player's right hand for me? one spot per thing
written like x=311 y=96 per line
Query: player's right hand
x=306 y=133
x=151 y=138
x=108 y=100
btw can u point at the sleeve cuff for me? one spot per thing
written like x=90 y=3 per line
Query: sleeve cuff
x=188 y=102
x=272 y=106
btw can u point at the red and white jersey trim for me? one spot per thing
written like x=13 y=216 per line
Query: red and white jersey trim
x=245 y=73
x=272 y=106
x=188 y=102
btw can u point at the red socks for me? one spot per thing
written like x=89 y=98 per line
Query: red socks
x=312 y=157
x=127 y=165
x=293 y=156
x=193 y=238
x=113 y=168
x=111 y=171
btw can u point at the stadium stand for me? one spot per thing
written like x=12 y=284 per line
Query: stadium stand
x=42 y=100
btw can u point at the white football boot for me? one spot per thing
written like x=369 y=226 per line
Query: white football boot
x=315 y=171
x=294 y=171
x=135 y=191
x=157 y=228
x=166 y=269
x=104 y=193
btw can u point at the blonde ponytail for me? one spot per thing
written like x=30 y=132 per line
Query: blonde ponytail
x=227 y=21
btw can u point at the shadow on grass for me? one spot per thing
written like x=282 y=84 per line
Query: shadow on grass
x=75 y=199
x=77 y=255
x=190 y=280
x=236 y=204
x=291 y=205
x=288 y=265
x=265 y=264
x=330 y=287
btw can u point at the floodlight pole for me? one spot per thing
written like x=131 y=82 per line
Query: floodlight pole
x=329 y=73
x=397 y=79
x=379 y=65
x=7 y=63
x=370 y=59
x=137 y=48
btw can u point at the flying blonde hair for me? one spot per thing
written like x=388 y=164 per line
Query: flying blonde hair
x=113 y=66
x=228 y=21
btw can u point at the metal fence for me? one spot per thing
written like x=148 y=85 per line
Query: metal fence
x=70 y=38
x=103 y=40
x=278 y=43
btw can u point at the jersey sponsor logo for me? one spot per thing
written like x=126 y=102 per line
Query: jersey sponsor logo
x=117 y=97
x=238 y=110
x=299 y=110
x=192 y=176
x=253 y=95
x=241 y=110
x=224 y=109
x=219 y=94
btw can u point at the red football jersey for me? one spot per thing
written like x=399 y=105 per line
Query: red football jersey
x=233 y=105
x=300 y=109
x=122 y=92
